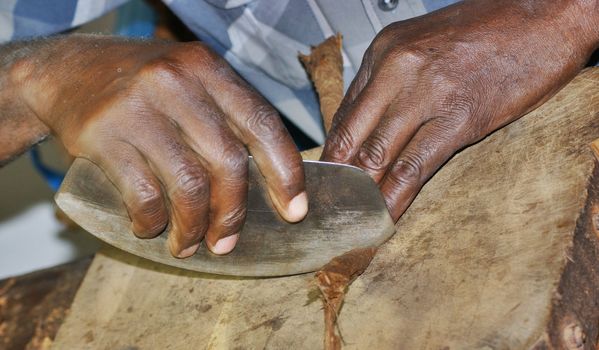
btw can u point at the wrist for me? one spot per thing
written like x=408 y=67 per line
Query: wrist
x=67 y=71
x=588 y=14
x=578 y=23
x=39 y=76
x=19 y=126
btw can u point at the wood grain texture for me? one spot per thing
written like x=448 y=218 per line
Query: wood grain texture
x=33 y=306
x=489 y=256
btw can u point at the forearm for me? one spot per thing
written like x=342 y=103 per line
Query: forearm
x=590 y=12
x=567 y=30
x=19 y=126
x=563 y=34
x=41 y=80
x=576 y=22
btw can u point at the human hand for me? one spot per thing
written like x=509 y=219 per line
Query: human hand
x=171 y=125
x=429 y=86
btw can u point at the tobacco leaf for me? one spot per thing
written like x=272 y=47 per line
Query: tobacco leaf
x=332 y=280
x=325 y=67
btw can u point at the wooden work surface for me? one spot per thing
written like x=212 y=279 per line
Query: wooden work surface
x=487 y=257
x=33 y=306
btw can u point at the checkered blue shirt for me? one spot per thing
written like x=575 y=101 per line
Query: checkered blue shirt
x=259 y=38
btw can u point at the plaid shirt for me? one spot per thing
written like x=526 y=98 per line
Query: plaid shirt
x=259 y=38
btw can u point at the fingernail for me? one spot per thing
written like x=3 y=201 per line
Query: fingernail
x=224 y=245
x=298 y=207
x=189 y=251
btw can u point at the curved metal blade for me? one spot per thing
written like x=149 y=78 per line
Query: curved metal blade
x=347 y=211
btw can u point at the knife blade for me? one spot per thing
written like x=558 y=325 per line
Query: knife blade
x=347 y=211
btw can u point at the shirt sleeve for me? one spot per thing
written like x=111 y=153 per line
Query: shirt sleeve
x=21 y=19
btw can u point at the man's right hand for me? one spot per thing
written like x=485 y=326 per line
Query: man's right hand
x=171 y=125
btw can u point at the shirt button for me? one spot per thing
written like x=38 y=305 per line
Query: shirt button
x=388 y=5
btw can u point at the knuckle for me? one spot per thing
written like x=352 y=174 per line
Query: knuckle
x=404 y=59
x=445 y=82
x=205 y=62
x=263 y=120
x=372 y=154
x=147 y=207
x=458 y=109
x=407 y=171
x=192 y=186
x=413 y=57
x=148 y=196
x=199 y=51
x=233 y=160
x=339 y=144
x=163 y=71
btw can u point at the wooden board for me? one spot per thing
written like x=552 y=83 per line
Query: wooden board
x=489 y=256
x=33 y=306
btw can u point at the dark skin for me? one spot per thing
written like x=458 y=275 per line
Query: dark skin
x=171 y=124
x=431 y=85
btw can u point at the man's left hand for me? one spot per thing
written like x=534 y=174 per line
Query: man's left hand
x=430 y=86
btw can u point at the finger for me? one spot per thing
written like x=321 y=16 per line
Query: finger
x=226 y=159
x=258 y=125
x=355 y=88
x=433 y=145
x=187 y=185
x=353 y=123
x=388 y=139
x=141 y=191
